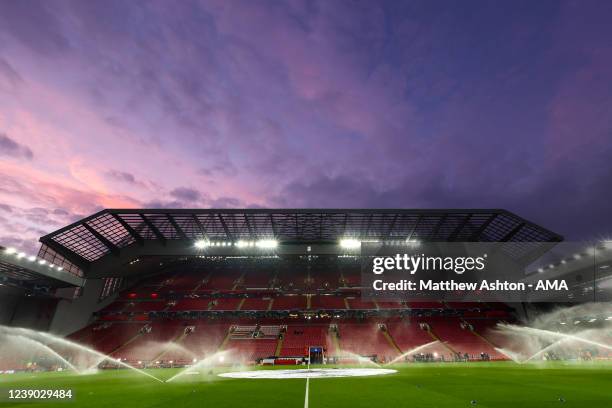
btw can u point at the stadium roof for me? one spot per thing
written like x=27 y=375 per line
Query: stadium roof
x=110 y=233
x=19 y=271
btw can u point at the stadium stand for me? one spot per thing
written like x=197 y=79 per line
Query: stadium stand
x=186 y=305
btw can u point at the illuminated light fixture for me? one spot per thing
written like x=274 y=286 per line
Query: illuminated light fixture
x=10 y=250
x=609 y=318
x=577 y=256
x=350 y=243
x=551 y=266
x=31 y=258
x=577 y=322
x=592 y=320
x=267 y=243
x=563 y=261
x=201 y=244
x=194 y=360
x=607 y=244
x=540 y=270
x=563 y=323
x=221 y=359
x=60 y=268
x=42 y=261
x=21 y=255
x=242 y=244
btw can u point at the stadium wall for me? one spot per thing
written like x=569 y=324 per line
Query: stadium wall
x=9 y=298
x=74 y=314
x=33 y=313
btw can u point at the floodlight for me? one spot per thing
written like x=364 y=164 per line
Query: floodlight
x=350 y=243
x=21 y=255
x=267 y=243
x=201 y=244
x=10 y=250
x=42 y=261
x=31 y=258
x=242 y=244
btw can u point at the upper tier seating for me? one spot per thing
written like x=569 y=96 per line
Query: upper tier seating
x=289 y=302
x=327 y=302
x=256 y=304
x=357 y=303
x=191 y=304
x=222 y=280
x=226 y=303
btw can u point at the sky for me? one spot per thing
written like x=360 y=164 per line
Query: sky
x=391 y=104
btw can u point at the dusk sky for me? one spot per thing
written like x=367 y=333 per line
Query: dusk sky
x=407 y=104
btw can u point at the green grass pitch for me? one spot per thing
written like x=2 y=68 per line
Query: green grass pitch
x=501 y=384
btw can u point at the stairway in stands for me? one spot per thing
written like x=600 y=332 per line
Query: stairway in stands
x=390 y=339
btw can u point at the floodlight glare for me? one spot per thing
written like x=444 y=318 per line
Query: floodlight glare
x=350 y=243
x=31 y=258
x=242 y=244
x=201 y=244
x=10 y=250
x=267 y=243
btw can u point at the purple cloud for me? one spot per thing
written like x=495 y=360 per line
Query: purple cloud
x=10 y=148
x=306 y=104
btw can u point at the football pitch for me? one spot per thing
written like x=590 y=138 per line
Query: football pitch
x=495 y=384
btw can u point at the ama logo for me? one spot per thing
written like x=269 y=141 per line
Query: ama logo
x=552 y=285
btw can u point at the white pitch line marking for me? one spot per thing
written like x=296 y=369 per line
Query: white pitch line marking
x=306 y=396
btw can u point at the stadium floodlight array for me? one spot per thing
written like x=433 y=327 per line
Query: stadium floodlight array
x=31 y=258
x=262 y=243
x=589 y=251
x=354 y=243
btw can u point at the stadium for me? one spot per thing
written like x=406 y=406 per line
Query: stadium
x=266 y=307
